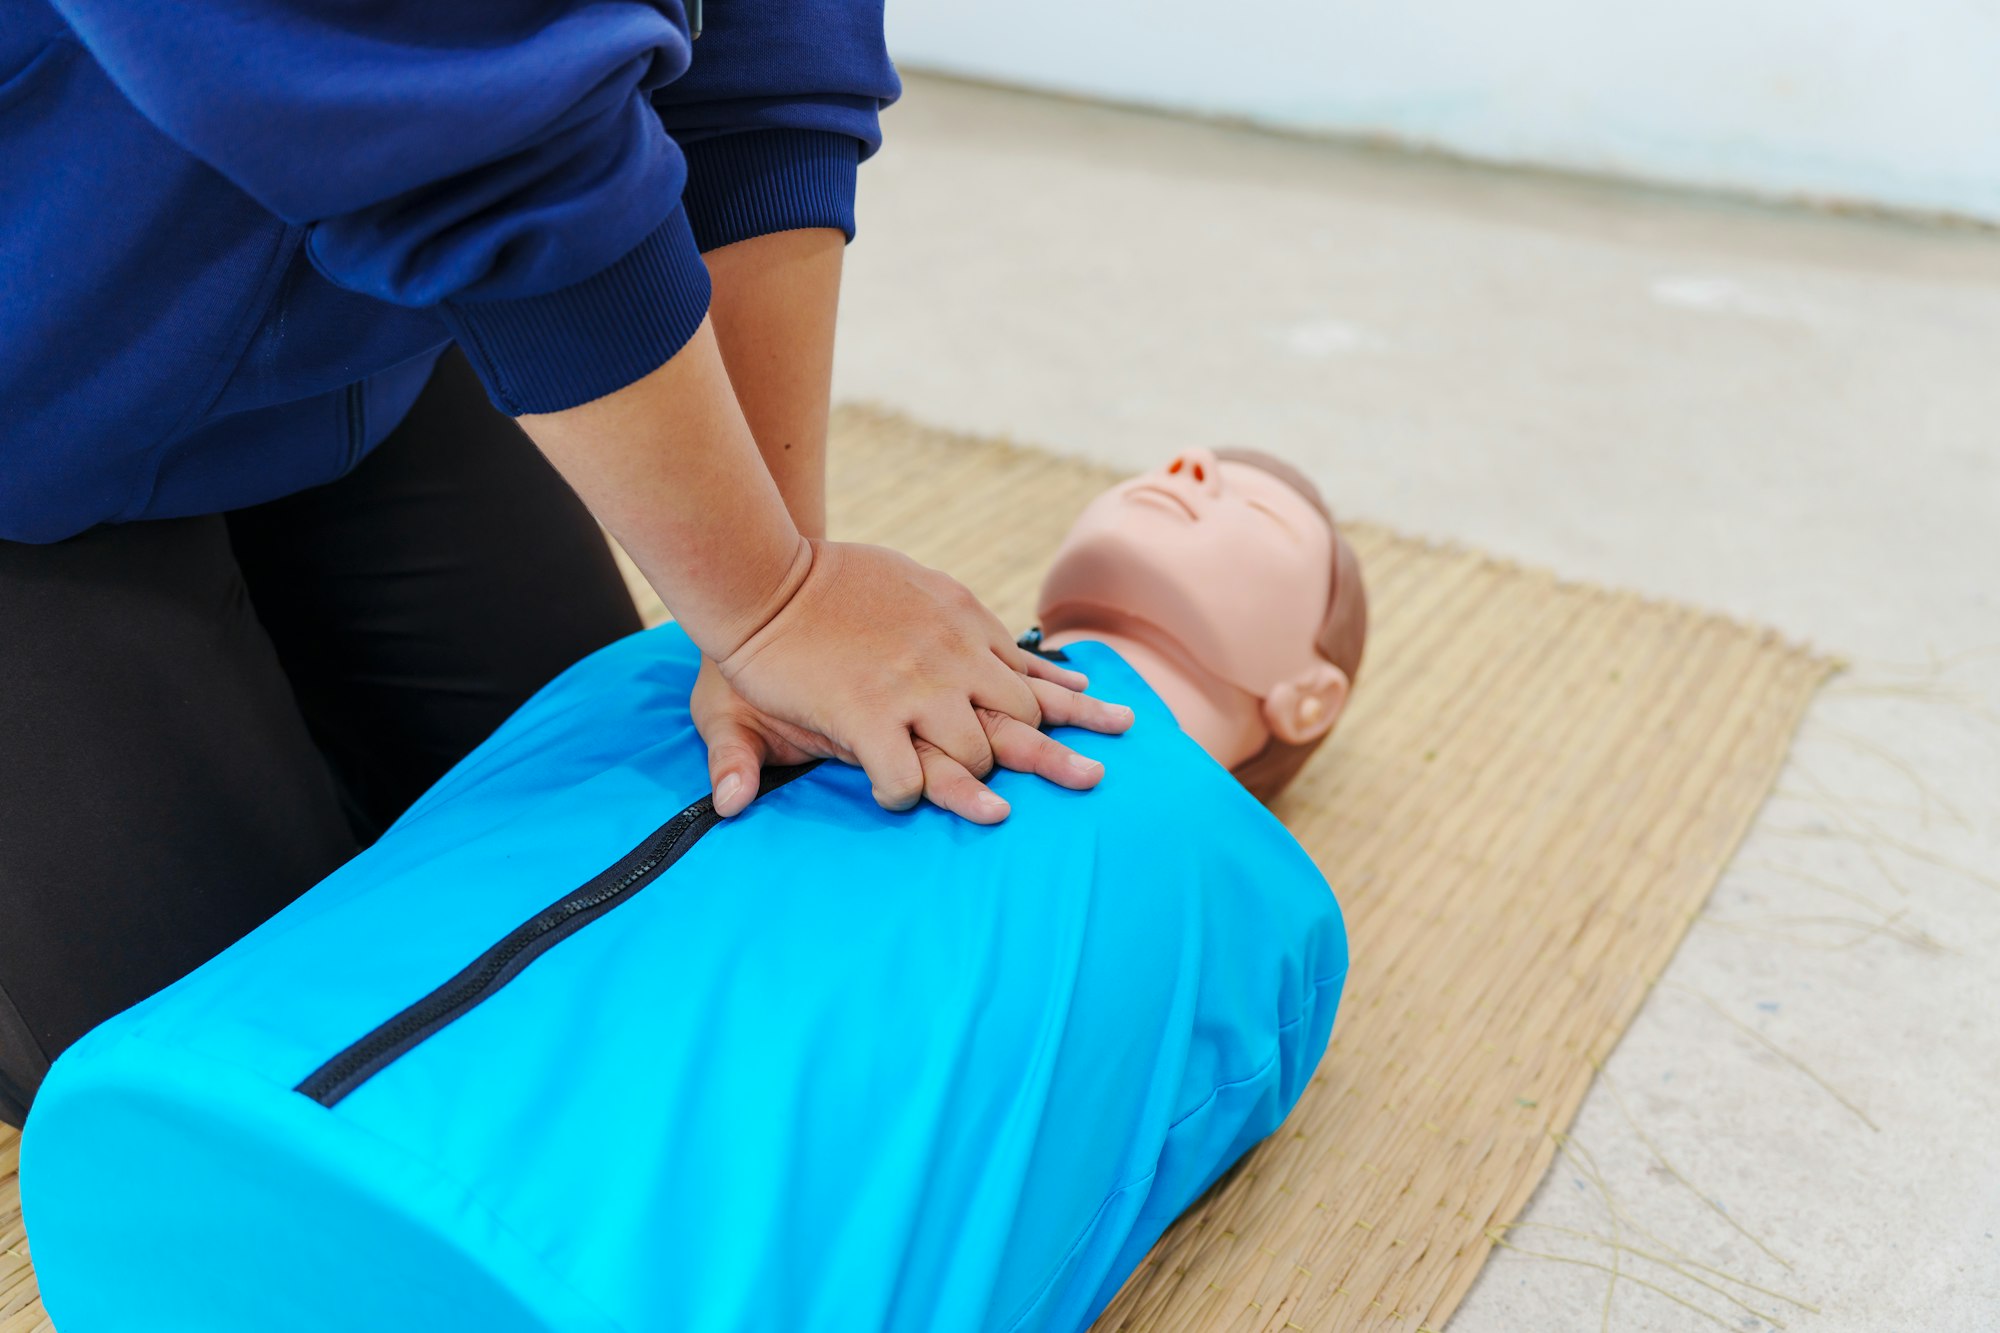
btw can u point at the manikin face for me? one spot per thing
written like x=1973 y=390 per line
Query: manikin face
x=1223 y=558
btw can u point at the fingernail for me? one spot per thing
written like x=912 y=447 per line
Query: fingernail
x=726 y=790
x=1084 y=765
x=986 y=800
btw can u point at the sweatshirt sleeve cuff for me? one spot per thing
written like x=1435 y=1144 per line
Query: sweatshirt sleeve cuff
x=761 y=181
x=564 y=348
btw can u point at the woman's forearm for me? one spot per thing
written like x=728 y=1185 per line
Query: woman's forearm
x=774 y=306
x=711 y=471
x=669 y=465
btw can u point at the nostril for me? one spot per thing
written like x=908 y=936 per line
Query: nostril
x=1199 y=475
x=1175 y=466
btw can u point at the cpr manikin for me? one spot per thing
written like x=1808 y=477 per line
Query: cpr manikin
x=1222 y=581
x=564 y=1050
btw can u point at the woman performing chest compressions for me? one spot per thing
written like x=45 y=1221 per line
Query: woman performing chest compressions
x=299 y=301
x=566 y=1050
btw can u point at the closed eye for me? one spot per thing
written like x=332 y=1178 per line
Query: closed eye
x=1274 y=515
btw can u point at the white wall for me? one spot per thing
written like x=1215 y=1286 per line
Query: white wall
x=1883 y=102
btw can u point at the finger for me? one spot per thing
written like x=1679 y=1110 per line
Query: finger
x=1037 y=667
x=888 y=755
x=735 y=760
x=1021 y=748
x=950 y=787
x=1067 y=708
x=957 y=730
x=1006 y=690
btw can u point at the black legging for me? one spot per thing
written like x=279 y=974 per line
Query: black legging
x=200 y=718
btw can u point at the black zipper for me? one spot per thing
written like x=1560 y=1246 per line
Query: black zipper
x=526 y=942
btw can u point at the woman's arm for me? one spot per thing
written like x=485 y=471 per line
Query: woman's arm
x=668 y=465
x=774 y=304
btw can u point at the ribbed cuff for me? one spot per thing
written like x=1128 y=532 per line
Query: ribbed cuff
x=760 y=181
x=566 y=347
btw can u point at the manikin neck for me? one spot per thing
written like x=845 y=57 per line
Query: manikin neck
x=1224 y=720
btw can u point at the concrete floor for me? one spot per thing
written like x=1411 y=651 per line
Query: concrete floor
x=1791 y=418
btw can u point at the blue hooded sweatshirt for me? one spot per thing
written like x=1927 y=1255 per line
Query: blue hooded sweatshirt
x=235 y=234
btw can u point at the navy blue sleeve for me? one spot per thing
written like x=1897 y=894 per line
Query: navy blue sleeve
x=499 y=160
x=778 y=106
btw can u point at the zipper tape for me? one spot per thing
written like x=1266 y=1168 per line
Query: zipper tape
x=521 y=946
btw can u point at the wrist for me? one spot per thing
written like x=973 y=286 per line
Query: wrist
x=780 y=585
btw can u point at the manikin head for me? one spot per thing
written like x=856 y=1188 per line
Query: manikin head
x=1222 y=579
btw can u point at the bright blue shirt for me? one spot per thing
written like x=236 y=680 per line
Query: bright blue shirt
x=538 y=1060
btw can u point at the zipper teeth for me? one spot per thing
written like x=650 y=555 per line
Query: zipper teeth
x=327 y=1084
x=438 y=1004
x=395 y=1037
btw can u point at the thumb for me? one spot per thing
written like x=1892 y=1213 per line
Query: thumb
x=735 y=760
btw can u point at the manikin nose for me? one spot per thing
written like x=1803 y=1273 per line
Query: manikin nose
x=1196 y=468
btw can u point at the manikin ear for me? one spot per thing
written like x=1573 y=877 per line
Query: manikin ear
x=1305 y=707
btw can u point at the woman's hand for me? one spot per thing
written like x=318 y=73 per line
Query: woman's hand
x=878 y=661
x=853 y=652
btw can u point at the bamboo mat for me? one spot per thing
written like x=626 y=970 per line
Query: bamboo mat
x=20 y=1306
x=1533 y=792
